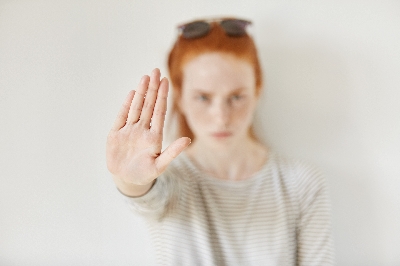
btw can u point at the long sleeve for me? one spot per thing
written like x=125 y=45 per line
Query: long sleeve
x=314 y=231
x=160 y=199
x=279 y=216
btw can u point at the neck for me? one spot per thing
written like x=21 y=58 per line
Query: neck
x=231 y=162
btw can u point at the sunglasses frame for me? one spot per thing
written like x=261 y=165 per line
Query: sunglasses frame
x=210 y=22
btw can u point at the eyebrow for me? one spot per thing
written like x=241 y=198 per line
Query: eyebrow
x=238 y=90
x=207 y=92
x=200 y=91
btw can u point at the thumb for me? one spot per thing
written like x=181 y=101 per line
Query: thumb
x=171 y=152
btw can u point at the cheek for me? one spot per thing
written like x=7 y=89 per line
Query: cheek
x=196 y=114
x=244 y=114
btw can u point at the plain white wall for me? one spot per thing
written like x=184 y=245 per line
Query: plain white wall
x=332 y=97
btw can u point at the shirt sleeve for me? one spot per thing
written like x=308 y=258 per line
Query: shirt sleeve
x=314 y=231
x=159 y=200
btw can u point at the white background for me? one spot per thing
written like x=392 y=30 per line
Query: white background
x=332 y=97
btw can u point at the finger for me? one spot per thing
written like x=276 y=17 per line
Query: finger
x=137 y=102
x=151 y=95
x=160 y=109
x=123 y=112
x=171 y=152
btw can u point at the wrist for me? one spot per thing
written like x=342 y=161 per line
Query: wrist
x=132 y=190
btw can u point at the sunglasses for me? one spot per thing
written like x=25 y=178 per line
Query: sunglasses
x=200 y=28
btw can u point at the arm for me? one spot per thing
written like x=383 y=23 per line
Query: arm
x=131 y=190
x=134 y=143
x=314 y=231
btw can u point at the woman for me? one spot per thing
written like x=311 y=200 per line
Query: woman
x=227 y=199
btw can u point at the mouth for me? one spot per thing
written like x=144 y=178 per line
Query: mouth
x=221 y=134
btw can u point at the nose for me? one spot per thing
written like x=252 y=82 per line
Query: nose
x=221 y=113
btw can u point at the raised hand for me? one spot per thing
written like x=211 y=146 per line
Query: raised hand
x=134 y=143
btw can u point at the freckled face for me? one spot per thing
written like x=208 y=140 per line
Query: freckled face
x=218 y=98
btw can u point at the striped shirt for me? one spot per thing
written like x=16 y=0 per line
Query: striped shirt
x=278 y=216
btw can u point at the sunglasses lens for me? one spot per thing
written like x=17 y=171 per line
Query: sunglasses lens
x=234 y=27
x=195 y=29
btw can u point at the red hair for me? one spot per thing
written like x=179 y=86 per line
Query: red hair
x=216 y=40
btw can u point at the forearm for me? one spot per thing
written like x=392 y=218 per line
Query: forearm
x=132 y=190
x=152 y=200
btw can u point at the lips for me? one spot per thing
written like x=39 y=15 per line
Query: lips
x=221 y=134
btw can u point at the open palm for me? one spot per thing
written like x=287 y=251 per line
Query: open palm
x=134 y=143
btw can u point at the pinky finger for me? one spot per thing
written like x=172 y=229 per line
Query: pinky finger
x=120 y=121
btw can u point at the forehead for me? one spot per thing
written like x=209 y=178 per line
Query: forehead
x=212 y=71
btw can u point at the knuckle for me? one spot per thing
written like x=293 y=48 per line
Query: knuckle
x=135 y=108
x=139 y=94
x=126 y=105
x=141 y=124
x=160 y=112
x=120 y=116
x=147 y=105
x=153 y=86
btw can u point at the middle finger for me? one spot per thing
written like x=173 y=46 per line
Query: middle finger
x=151 y=96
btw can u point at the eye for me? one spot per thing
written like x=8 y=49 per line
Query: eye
x=236 y=97
x=203 y=98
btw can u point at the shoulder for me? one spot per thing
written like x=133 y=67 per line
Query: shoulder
x=306 y=184
x=304 y=179
x=299 y=171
